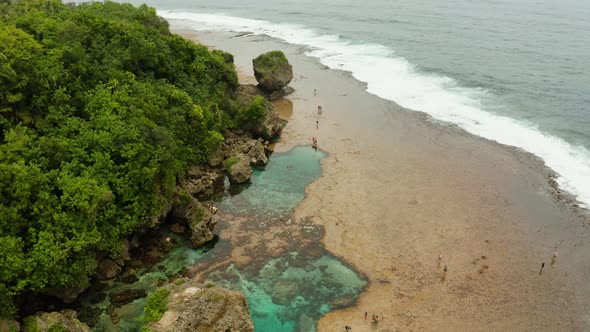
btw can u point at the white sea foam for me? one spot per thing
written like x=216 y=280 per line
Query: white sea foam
x=392 y=77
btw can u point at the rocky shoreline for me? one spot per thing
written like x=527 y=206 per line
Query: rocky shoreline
x=190 y=214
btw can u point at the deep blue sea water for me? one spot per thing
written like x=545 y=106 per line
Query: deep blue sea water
x=514 y=71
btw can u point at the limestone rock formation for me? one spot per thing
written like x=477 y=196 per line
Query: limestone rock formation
x=191 y=308
x=272 y=70
x=238 y=169
x=107 y=269
x=54 y=321
x=199 y=220
x=270 y=126
x=201 y=182
x=257 y=155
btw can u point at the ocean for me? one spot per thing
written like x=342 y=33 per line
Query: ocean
x=513 y=71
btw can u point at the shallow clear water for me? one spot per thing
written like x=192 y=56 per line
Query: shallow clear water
x=277 y=189
x=288 y=292
x=513 y=71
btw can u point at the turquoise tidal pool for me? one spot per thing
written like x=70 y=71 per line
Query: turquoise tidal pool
x=289 y=279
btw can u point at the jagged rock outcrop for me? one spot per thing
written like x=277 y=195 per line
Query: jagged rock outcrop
x=46 y=321
x=199 y=220
x=257 y=154
x=192 y=308
x=238 y=168
x=272 y=70
x=268 y=128
x=201 y=182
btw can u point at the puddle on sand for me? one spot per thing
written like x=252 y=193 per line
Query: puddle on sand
x=279 y=263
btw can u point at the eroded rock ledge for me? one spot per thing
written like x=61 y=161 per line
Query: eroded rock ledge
x=194 y=307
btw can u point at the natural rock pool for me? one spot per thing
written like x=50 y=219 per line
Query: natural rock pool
x=279 y=263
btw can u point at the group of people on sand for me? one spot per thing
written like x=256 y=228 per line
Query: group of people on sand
x=374 y=319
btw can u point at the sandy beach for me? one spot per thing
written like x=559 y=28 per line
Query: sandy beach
x=399 y=188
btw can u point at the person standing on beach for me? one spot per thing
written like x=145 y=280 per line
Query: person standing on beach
x=555 y=253
x=366 y=315
x=439 y=260
x=542 y=266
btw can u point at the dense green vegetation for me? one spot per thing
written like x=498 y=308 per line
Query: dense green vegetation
x=101 y=109
x=155 y=307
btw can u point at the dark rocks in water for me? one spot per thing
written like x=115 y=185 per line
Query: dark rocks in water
x=283 y=292
x=177 y=228
x=126 y=296
x=112 y=312
x=96 y=293
x=130 y=277
x=194 y=308
x=89 y=315
x=272 y=70
x=43 y=321
x=107 y=269
x=238 y=169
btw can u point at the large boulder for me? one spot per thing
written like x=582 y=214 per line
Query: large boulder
x=67 y=295
x=272 y=70
x=257 y=154
x=199 y=220
x=238 y=168
x=192 y=308
x=107 y=269
x=64 y=320
x=126 y=296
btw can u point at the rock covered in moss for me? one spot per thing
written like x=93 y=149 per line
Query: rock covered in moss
x=269 y=126
x=193 y=308
x=238 y=169
x=65 y=320
x=272 y=70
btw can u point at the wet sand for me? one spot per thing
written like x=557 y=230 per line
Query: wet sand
x=398 y=188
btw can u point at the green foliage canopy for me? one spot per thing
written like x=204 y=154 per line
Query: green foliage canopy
x=101 y=109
